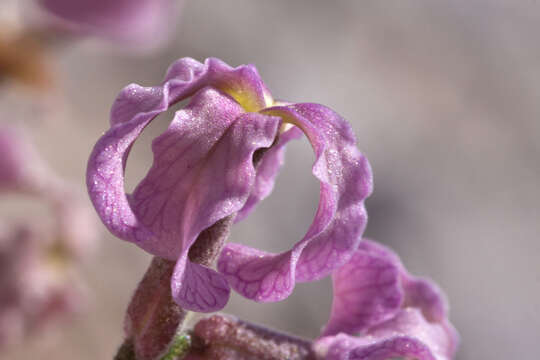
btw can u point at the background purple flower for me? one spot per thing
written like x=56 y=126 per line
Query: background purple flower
x=142 y=22
x=39 y=281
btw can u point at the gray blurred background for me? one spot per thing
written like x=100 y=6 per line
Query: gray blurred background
x=444 y=100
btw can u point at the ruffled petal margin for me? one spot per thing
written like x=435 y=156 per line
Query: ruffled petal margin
x=346 y=180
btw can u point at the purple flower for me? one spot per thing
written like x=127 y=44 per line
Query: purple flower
x=204 y=172
x=140 y=22
x=380 y=312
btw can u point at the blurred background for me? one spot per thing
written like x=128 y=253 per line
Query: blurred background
x=443 y=98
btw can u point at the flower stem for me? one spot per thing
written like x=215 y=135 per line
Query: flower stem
x=221 y=337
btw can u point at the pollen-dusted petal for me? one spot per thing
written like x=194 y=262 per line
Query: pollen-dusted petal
x=349 y=182
x=181 y=188
x=336 y=230
x=178 y=152
x=256 y=274
x=367 y=291
x=202 y=170
x=243 y=83
x=184 y=78
x=152 y=317
x=137 y=22
x=267 y=171
x=134 y=108
x=407 y=335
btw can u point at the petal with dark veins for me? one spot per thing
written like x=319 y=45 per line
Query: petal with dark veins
x=142 y=23
x=367 y=291
x=335 y=232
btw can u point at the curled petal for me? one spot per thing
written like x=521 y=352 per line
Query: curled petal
x=427 y=296
x=407 y=335
x=374 y=286
x=332 y=238
x=184 y=78
x=202 y=172
x=181 y=194
x=198 y=288
x=367 y=291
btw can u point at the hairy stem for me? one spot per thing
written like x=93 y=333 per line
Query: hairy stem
x=222 y=337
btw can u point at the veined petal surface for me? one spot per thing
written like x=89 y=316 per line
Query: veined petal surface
x=132 y=111
x=408 y=335
x=202 y=172
x=334 y=235
x=393 y=313
x=367 y=291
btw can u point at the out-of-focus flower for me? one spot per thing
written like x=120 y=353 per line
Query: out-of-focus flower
x=222 y=337
x=38 y=278
x=21 y=169
x=37 y=284
x=380 y=312
x=204 y=172
x=141 y=22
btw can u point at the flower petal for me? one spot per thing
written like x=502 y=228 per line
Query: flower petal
x=407 y=335
x=198 y=288
x=367 y=291
x=243 y=83
x=373 y=286
x=340 y=219
x=132 y=111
